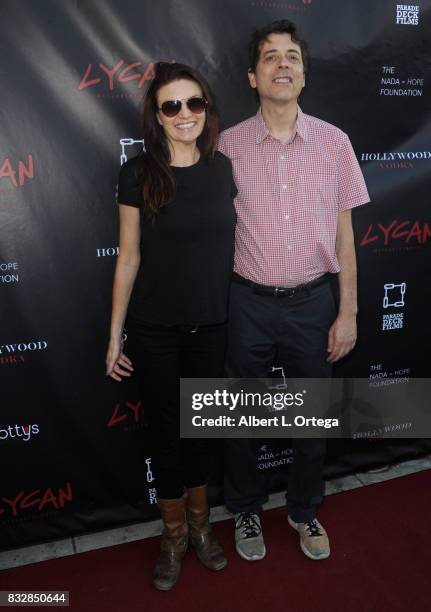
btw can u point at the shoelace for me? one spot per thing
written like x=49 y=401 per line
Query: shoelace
x=313 y=528
x=248 y=524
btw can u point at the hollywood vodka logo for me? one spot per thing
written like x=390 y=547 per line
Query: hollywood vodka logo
x=396 y=156
x=396 y=160
x=407 y=14
x=21 y=347
x=393 y=298
x=107 y=251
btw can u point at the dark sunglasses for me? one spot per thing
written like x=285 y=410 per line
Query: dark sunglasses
x=196 y=105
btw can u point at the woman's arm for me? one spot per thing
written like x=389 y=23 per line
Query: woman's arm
x=126 y=270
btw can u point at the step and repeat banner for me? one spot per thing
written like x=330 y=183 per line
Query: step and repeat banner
x=72 y=442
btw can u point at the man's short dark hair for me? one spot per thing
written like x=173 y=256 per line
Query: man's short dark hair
x=282 y=26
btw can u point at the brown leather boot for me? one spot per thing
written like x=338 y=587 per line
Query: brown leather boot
x=173 y=545
x=208 y=550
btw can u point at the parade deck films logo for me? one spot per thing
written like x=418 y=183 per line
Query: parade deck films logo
x=394 y=294
x=152 y=491
x=129 y=142
x=407 y=14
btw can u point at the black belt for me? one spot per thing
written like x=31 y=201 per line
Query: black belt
x=280 y=291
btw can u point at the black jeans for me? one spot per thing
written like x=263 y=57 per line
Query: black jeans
x=161 y=355
x=293 y=332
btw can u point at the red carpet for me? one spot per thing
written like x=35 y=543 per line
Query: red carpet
x=380 y=561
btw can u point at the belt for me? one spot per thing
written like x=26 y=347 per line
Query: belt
x=280 y=291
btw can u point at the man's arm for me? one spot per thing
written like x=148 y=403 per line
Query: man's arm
x=342 y=335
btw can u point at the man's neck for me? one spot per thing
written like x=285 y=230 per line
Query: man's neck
x=280 y=119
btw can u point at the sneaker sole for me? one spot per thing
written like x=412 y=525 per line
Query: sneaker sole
x=254 y=557
x=306 y=552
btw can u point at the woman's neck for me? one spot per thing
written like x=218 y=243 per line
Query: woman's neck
x=184 y=154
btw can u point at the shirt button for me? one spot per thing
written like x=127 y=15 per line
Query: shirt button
x=284 y=186
x=282 y=157
x=289 y=247
x=286 y=217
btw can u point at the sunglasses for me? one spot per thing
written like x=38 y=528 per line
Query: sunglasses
x=196 y=105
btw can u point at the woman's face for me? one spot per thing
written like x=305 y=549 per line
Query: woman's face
x=187 y=126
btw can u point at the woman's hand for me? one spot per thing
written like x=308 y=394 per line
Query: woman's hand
x=117 y=364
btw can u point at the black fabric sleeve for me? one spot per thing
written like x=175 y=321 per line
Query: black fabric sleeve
x=129 y=185
x=234 y=189
x=229 y=171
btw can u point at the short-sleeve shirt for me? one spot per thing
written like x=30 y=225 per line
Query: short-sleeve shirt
x=289 y=198
x=187 y=251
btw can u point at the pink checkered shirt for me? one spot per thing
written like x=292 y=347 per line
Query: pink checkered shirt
x=289 y=197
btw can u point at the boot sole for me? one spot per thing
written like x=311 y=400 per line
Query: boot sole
x=160 y=588
x=212 y=567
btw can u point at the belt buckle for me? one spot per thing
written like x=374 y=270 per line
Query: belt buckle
x=286 y=291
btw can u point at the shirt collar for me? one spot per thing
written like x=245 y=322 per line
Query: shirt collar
x=262 y=131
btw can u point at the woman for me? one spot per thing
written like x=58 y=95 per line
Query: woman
x=172 y=276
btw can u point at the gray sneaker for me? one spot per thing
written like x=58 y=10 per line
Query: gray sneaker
x=249 y=542
x=313 y=538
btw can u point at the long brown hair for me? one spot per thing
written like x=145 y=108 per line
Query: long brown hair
x=159 y=186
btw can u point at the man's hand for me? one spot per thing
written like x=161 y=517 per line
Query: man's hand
x=341 y=337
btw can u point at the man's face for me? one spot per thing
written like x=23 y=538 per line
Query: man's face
x=279 y=75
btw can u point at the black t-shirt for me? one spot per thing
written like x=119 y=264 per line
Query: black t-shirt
x=187 y=252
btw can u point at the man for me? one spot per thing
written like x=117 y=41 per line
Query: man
x=297 y=179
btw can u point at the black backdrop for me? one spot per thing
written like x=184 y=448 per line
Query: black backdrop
x=73 y=443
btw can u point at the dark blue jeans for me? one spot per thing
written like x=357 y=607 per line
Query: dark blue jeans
x=291 y=332
x=161 y=355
